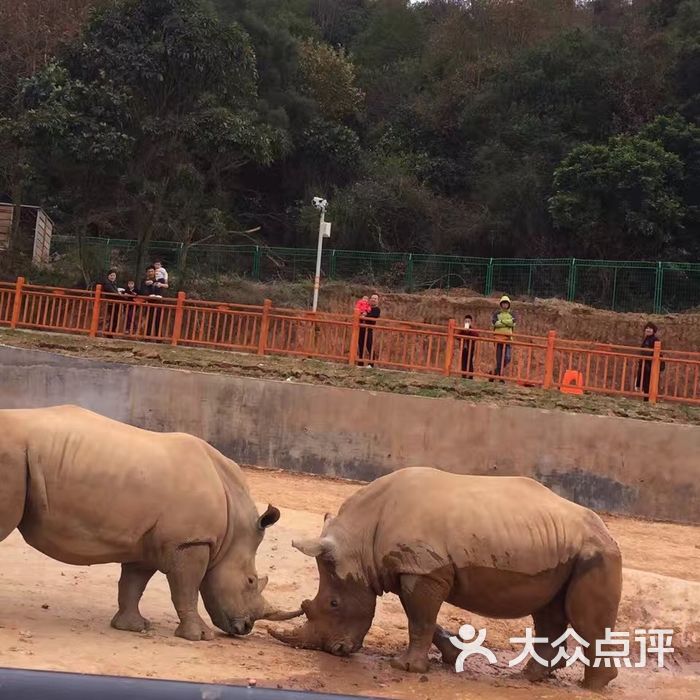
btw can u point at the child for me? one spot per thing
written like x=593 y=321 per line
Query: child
x=363 y=305
x=131 y=292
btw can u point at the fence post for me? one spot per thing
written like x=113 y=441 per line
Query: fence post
x=409 y=273
x=655 y=373
x=95 y=320
x=449 y=349
x=257 y=257
x=549 y=360
x=331 y=266
x=489 y=278
x=571 y=292
x=17 y=303
x=659 y=288
x=179 y=313
x=264 y=326
x=354 y=338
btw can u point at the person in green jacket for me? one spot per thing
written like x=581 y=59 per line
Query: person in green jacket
x=503 y=322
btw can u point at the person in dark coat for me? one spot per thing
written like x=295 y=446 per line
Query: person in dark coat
x=643 y=377
x=367 y=321
x=110 y=287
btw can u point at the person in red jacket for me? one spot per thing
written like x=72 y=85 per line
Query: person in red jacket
x=363 y=305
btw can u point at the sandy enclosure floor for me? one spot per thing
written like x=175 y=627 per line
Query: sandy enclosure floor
x=54 y=616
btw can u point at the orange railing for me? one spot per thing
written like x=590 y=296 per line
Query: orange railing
x=533 y=361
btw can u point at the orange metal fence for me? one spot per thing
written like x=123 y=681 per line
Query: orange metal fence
x=547 y=362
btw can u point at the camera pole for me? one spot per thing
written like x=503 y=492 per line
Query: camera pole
x=323 y=232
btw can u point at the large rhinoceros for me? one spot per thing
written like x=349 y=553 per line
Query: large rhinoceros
x=85 y=489
x=502 y=547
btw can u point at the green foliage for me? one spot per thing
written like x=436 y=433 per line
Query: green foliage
x=533 y=127
x=621 y=197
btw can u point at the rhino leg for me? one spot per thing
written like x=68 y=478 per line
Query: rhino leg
x=421 y=597
x=189 y=564
x=448 y=651
x=132 y=584
x=592 y=601
x=550 y=622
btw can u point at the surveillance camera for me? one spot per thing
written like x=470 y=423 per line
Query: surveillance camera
x=320 y=203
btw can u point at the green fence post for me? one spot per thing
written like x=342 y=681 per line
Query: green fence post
x=489 y=278
x=409 y=273
x=614 y=294
x=331 y=266
x=659 y=288
x=572 y=280
x=529 y=281
x=257 y=259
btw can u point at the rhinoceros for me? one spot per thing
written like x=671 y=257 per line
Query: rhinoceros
x=85 y=489
x=497 y=546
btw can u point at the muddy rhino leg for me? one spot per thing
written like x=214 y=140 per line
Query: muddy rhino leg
x=185 y=576
x=550 y=622
x=592 y=601
x=448 y=651
x=421 y=597
x=132 y=584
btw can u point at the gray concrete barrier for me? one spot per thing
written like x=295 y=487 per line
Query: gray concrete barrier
x=617 y=465
x=19 y=684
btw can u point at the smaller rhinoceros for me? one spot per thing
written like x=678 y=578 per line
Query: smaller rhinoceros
x=84 y=489
x=502 y=547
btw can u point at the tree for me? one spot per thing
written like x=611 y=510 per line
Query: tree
x=621 y=198
x=189 y=101
x=330 y=78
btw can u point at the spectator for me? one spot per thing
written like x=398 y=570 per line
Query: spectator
x=161 y=272
x=368 y=320
x=151 y=288
x=363 y=305
x=110 y=286
x=467 y=335
x=643 y=377
x=503 y=322
x=131 y=292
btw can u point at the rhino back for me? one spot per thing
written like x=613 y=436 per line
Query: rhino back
x=419 y=520
x=102 y=491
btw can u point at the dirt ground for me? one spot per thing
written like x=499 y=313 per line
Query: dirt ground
x=56 y=617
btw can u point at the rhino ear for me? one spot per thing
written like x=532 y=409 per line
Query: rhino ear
x=314 y=547
x=269 y=517
x=327 y=517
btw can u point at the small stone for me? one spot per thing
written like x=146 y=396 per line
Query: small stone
x=424 y=679
x=45 y=606
x=252 y=682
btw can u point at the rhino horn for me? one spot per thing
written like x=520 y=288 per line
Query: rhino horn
x=313 y=547
x=297 y=637
x=280 y=615
x=270 y=613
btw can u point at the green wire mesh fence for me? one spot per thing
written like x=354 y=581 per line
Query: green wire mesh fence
x=658 y=287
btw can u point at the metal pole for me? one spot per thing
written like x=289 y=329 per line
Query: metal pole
x=317 y=278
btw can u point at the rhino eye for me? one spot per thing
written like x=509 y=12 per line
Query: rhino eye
x=251 y=580
x=334 y=603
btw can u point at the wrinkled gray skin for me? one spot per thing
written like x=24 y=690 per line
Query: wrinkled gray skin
x=84 y=489
x=501 y=547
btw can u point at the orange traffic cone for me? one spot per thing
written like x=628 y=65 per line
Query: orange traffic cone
x=572 y=382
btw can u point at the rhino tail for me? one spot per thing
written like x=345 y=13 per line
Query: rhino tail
x=14 y=476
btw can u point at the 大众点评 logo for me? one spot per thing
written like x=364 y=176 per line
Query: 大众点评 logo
x=612 y=650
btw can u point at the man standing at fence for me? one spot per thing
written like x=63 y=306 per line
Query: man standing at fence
x=367 y=320
x=503 y=324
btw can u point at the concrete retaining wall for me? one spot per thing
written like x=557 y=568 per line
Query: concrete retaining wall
x=611 y=464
